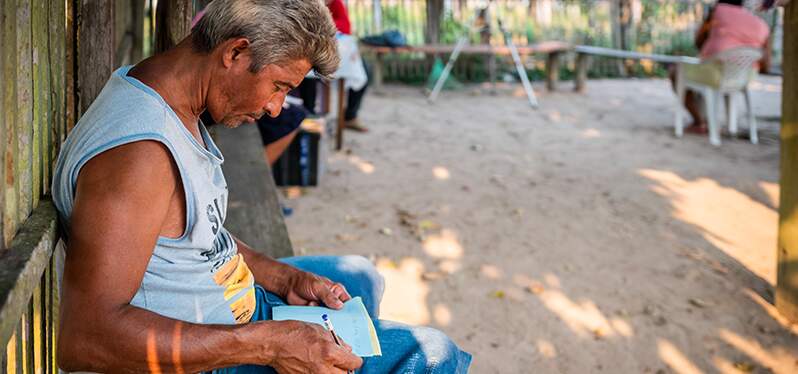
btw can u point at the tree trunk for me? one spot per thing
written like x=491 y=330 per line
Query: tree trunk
x=787 y=285
x=434 y=18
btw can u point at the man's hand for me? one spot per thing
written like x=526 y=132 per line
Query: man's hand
x=305 y=288
x=308 y=348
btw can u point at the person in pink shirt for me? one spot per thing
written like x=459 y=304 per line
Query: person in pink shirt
x=728 y=25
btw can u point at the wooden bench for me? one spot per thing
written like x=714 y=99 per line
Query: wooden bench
x=553 y=49
x=584 y=53
x=254 y=214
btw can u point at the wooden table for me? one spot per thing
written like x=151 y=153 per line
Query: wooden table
x=584 y=52
x=553 y=50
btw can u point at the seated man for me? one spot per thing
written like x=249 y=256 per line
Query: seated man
x=727 y=26
x=153 y=281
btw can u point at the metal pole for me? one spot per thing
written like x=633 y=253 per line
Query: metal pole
x=530 y=94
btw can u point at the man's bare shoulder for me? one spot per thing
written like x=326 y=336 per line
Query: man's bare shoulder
x=145 y=166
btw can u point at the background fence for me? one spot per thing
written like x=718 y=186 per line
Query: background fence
x=654 y=26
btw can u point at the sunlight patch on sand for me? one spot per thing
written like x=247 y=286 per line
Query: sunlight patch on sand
x=771 y=358
x=440 y=173
x=741 y=227
x=546 y=349
x=583 y=317
x=675 y=359
x=405 y=298
x=491 y=272
x=364 y=166
x=442 y=315
x=443 y=245
x=591 y=134
x=772 y=190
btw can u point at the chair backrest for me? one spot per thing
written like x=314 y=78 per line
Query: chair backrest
x=737 y=66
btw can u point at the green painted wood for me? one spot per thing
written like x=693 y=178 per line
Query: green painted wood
x=9 y=27
x=24 y=124
x=787 y=283
x=41 y=97
x=23 y=264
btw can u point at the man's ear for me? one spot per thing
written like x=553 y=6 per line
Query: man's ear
x=233 y=51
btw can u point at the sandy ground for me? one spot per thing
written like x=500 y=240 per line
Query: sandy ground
x=579 y=238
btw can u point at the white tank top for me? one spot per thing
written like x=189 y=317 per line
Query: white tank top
x=198 y=277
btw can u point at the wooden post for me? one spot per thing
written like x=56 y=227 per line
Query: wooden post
x=138 y=30
x=95 y=49
x=619 y=9
x=339 y=134
x=787 y=284
x=378 y=72
x=552 y=70
x=485 y=34
x=377 y=14
x=172 y=23
x=432 y=32
x=582 y=65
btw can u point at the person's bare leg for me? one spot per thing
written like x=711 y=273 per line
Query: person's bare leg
x=699 y=125
x=691 y=103
x=273 y=151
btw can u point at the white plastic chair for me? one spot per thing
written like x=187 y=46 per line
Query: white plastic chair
x=734 y=69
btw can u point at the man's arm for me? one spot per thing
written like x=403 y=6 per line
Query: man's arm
x=121 y=205
x=702 y=34
x=297 y=287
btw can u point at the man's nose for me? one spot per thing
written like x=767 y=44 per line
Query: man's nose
x=275 y=105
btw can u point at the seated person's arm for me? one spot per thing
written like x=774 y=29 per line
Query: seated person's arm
x=297 y=287
x=117 y=217
x=764 y=63
x=702 y=34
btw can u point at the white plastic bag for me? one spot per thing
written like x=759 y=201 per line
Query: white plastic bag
x=351 y=68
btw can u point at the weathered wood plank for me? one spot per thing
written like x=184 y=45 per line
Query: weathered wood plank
x=41 y=97
x=9 y=103
x=72 y=108
x=173 y=20
x=95 y=50
x=137 y=30
x=484 y=49
x=36 y=330
x=609 y=52
x=12 y=351
x=24 y=123
x=253 y=212
x=787 y=283
x=53 y=319
x=23 y=264
x=24 y=342
x=56 y=63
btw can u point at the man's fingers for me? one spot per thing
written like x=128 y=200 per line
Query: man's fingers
x=328 y=297
x=346 y=360
x=340 y=292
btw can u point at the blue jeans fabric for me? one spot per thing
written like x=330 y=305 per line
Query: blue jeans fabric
x=405 y=349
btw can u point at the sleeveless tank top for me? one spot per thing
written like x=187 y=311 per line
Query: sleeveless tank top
x=199 y=277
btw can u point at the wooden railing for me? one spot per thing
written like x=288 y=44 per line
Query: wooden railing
x=29 y=295
x=33 y=123
x=56 y=56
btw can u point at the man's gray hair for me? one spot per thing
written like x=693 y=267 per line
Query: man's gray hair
x=278 y=31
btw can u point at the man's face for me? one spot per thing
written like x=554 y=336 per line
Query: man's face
x=239 y=96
